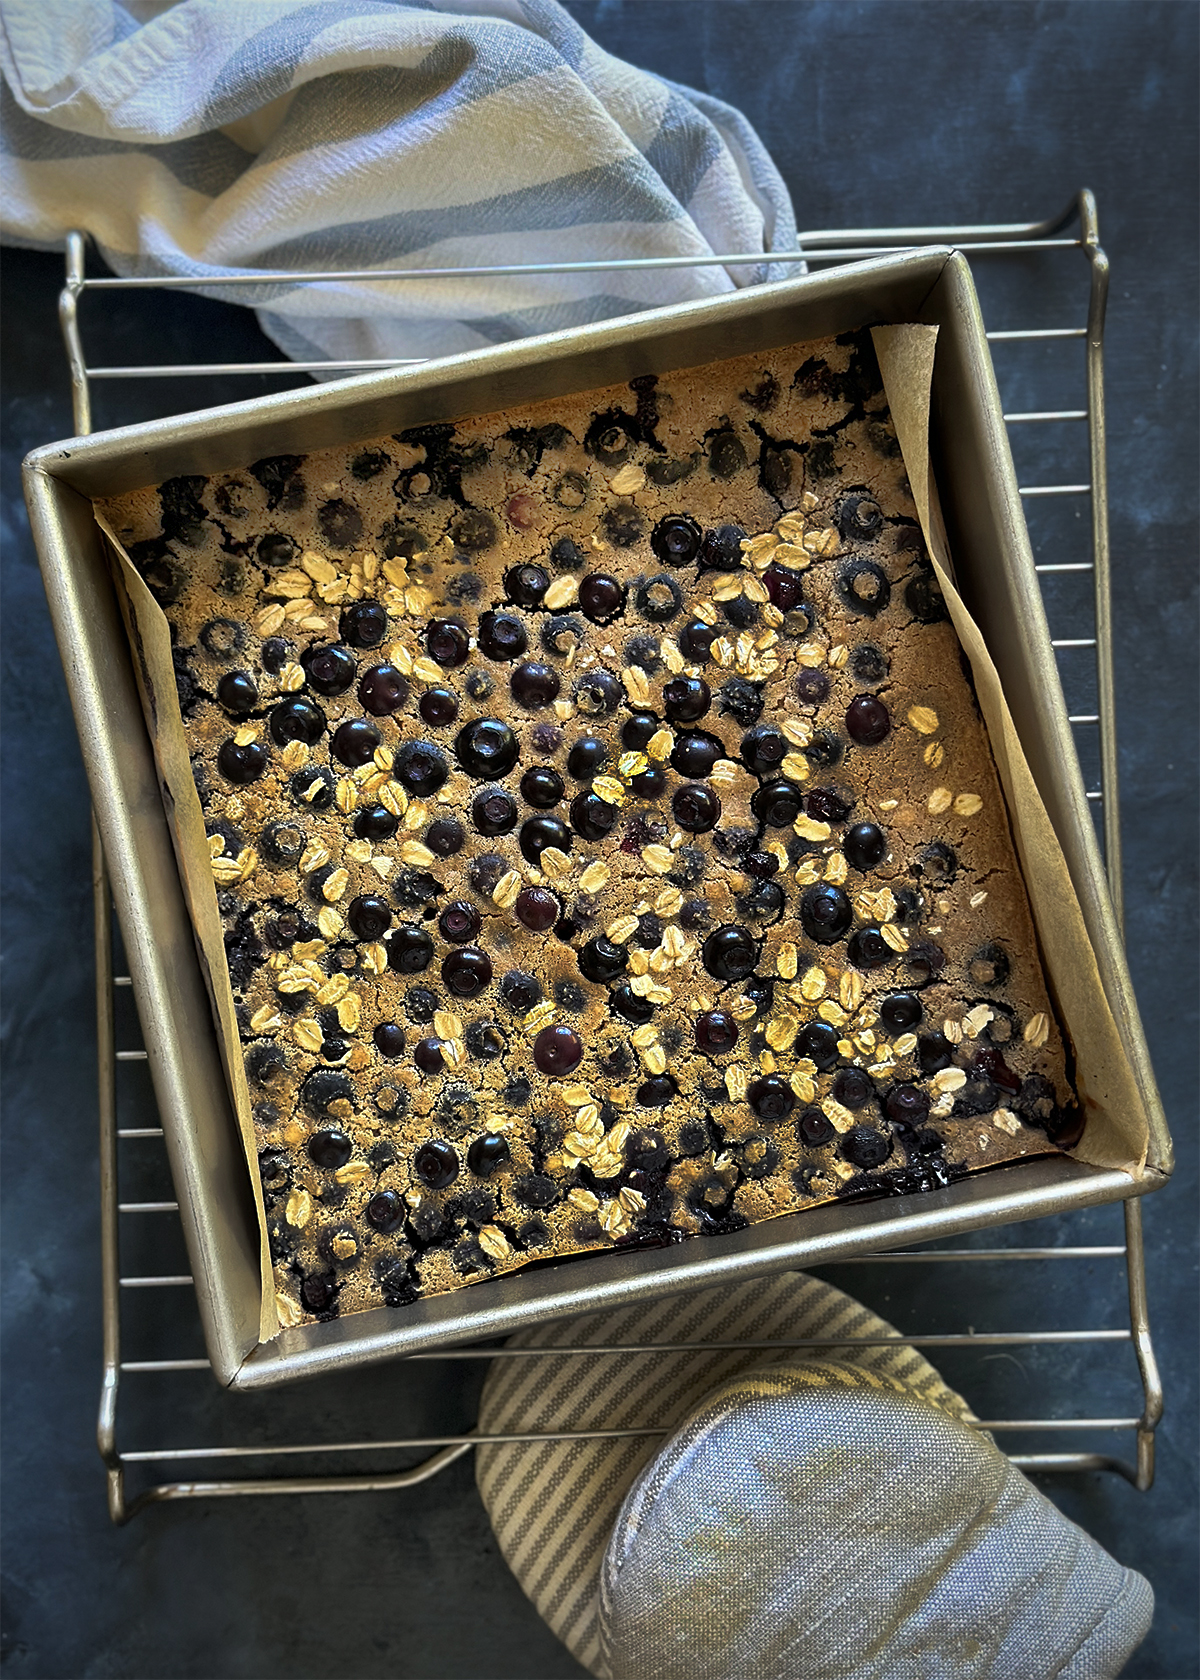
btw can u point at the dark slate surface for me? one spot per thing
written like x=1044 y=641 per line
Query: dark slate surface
x=877 y=113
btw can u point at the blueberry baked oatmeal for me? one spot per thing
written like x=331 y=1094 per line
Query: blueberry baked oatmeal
x=606 y=837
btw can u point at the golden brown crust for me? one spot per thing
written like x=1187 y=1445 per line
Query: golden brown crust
x=255 y=571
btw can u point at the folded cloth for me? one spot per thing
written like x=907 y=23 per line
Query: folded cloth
x=822 y=1522
x=553 y=1504
x=217 y=136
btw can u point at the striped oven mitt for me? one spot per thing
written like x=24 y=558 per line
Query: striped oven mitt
x=834 y=1518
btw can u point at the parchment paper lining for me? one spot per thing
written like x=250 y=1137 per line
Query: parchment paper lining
x=1116 y=1132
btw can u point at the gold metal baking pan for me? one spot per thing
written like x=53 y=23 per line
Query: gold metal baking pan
x=995 y=574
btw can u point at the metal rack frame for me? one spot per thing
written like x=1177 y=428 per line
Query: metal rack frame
x=823 y=246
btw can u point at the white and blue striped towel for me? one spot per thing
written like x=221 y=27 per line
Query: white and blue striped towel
x=214 y=136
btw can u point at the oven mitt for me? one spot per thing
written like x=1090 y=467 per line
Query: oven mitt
x=823 y=1522
x=553 y=1505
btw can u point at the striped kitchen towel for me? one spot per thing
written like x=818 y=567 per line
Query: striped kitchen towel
x=210 y=137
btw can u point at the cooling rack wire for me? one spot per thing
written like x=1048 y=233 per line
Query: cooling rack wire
x=1076 y=230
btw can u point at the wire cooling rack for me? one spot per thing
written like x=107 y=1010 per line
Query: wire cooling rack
x=140 y=1228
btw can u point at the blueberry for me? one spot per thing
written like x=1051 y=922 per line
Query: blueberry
x=819 y=1042
x=695 y=755
x=934 y=1052
x=436 y=1164
x=541 y=787
x=519 y=991
x=924 y=600
x=937 y=864
x=765 y=899
x=867 y=720
x=526 y=585
x=650 y=784
x=445 y=837
x=726 y=453
x=600 y=960
x=355 y=742
x=696 y=808
x=852 y=1088
x=625 y=1002
x=815 y=1128
x=409 y=950
x=825 y=914
x=533 y=684
x=502 y=636
x=369 y=917
x=283 y=841
x=862 y=1146
x=562 y=635
x=557 y=1051
x=459 y=922
x=864 y=587
x=485 y=871
x=363 y=624
x=730 y=953
x=389 y=1039
x=721 y=549
x=696 y=640
x=777 y=804
x=382 y=690
x=864 y=846
x=241 y=765
x=784 y=587
x=385 y=1211
x=486 y=748
x=859 y=518
x=237 y=691
x=656 y=1092
x=447 y=642
x=222 y=638
x=659 y=599
x=601 y=597
x=296 y=719
x=420 y=1004
x=487 y=1154
x=473 y=529
x=438 y=706
x=540 y=832
x=906 y=1105
x=467 y=971
x=537 y=909
x=587 y=758
x=676 y=540
x=313 y=789
x=824 y=751
x=494 y=811
x=741 y=700
x=592 y=817
x=812 y=687
x=645 y=652
x=636 y=733
x=826 y=805
x=900 y=1012
x=686 y=699
x=716 y=1032
x=868 y=665
x=329 y=1149
x=763 y=750
x=429 y=1057
x=771 y=1098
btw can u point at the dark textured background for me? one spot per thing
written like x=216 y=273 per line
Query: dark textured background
x=877 y=113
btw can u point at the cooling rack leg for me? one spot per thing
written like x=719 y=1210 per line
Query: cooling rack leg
x=68 y=318
x=1139 y=1319
x=110 y=1266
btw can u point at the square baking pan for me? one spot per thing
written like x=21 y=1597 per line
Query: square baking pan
x=995 y=575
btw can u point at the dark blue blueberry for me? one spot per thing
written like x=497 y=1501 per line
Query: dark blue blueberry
x=296 y=719
x=355 y=742
x=239 y=764
x=587 y=758
x=763 y=750
x=486 y=748
x=363 y=624
x=818 y=1041
x=237 y=691
x=825 y=914
x=494 y=811
x=859 y=518
x=600 y=960
x=592 y=817
x=659 y=599
x=445 y=837
x=526 y=585
x=862 y=1146
x=730 y=953
x=864 y=846
x=539 y=832
x=436 y=1164
x=771 y=1098
x=901 y=1012
x=599 y=693
x=409 y=950
x=867 y=720
x=676 y=540
x=502 y=636
x=696 y=808
x=541 y=787
x=777 y=804
x=488 y=1154
x=533 y=684
x=864 y=587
